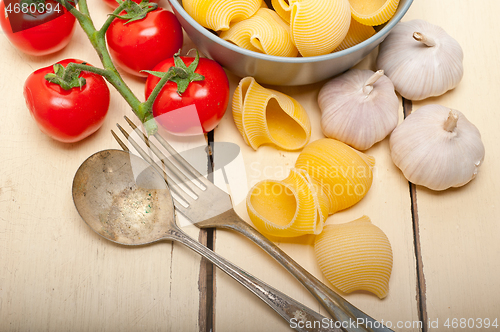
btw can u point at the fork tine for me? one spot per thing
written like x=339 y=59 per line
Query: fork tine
x=186 y=165
x=123 y=146
x=187 y=187
x=166 y=161
x=182 y=199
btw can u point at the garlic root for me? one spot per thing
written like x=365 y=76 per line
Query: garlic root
x=426 y=40
x=451 y=122
x=367 y=89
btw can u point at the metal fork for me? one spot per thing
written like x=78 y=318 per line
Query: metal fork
x=207 y=206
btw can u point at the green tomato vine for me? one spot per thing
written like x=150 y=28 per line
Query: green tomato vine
x=143 y=110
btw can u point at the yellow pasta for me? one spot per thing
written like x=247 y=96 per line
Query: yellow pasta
x=218 y=14
x=265 y=116
x=265 y=32
x=292 y=207
x=355 y=256
x=282 y=7
x=328 y=176
x=357 y=33
x=373 y=12
x=317 y=26
x=343 y=172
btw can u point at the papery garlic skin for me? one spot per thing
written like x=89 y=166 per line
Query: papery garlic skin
x=421 y=69
x=437 y=147
x=357 y=111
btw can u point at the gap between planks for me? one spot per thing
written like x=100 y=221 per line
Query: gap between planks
x=421 y=290
x=206 y=278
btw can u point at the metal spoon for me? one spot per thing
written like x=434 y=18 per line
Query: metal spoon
x=123 y=199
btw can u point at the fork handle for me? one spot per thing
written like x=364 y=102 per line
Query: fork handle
x=340 y=309
x=298 y=316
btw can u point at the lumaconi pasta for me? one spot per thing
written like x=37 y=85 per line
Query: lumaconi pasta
x=355 y=256
x=328 y=176
x=373 y=12
x=317 y=26
x=282 y=7
x=344 y=173
x=264 y=32
x=357 y=33
x=265 y=116
x=219 y=14
x=292 y=207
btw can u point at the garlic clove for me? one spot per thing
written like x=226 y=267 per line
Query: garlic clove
x=437 y=148
x=421 y=59
x=359 y=108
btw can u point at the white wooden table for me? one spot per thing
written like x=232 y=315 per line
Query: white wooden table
x=57 y=275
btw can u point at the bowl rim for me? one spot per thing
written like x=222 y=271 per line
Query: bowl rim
x=273 y=58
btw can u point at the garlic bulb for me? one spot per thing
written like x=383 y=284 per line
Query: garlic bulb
x=437 y=147
x=358 y=108
x=421 y=59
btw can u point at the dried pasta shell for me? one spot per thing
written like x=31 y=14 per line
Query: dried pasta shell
x=357 y=33
x=355 y=256
x=264 y=32
x=317 y=26
x=292 y=207
x=373 y=12
x=326 y=172
x=265 y=116
x=344 y=173
x=282 y=7
x=219 y=14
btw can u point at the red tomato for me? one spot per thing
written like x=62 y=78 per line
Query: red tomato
x=67 y=115
x=113 y=4
x=204 y=102
x=141 y=45
x=49 y=32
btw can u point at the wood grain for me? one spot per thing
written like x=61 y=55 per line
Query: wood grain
x=458 y=227
x=56 y=274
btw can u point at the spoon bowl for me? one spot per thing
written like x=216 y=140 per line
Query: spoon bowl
x=123 y=199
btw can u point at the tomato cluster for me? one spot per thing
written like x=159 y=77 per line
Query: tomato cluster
x=69 y=102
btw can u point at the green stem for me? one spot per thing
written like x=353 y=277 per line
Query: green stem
x=110 y=19
x=149 y=102
x=110 y=73
x=72 y=9
x=84 y=9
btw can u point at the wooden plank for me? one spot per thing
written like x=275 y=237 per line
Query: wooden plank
x=458 y=227
x=387 y=203
x=55 y=273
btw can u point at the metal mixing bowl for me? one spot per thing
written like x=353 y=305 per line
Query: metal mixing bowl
x=276 y=70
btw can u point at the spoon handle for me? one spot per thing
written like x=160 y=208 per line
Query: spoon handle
x=298 y=316
x=353 y=319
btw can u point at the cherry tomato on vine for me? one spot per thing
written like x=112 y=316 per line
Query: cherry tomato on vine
x=142 y=44
x=113 y=4
x=67 y=115
x=204 y=100
x=39 y=28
